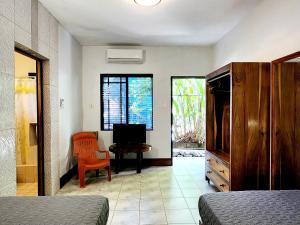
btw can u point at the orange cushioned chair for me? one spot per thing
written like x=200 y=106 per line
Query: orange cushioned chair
x=85 y=148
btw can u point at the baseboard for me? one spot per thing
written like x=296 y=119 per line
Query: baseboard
x=158 y=162
x=68 y=176
x=126 y=162
x=146 y=162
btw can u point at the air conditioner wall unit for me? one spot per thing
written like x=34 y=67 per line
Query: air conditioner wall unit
x=133 y=56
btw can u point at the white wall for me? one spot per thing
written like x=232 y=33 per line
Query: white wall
x=70 y=83
x=163 y=62
x=269 y=32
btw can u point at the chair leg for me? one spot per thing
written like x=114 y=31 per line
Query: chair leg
x=81 y=178
x=97 y=172
x=109 y=173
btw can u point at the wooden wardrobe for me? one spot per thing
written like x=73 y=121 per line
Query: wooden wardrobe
x=286 y=123
x=238 y=127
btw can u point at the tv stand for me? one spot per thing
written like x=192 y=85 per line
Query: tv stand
x=120 y=149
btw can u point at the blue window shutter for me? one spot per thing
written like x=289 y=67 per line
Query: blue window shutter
x=140 y=101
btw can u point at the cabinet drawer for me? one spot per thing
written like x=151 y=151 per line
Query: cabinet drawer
x=221 y=184
x=218 y=167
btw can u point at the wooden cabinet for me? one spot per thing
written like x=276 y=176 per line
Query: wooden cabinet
x=286 y=123
x=238 y=127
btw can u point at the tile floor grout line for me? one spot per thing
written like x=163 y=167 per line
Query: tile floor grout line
x=165 y=213
x=116 y=203
x=170 y=183
x=190 y=209
x=140 y=205
x=186 y=201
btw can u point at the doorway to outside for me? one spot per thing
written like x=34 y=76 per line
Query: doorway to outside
x=188 y=116
x=29 y=125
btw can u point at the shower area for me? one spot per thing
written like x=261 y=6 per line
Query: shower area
x=26 y=125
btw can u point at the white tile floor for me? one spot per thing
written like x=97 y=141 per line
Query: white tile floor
x=157 y=196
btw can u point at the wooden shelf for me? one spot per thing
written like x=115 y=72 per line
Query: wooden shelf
x=225 y=157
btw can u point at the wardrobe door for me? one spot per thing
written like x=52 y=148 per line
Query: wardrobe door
x=250 y=145
x=286 y=125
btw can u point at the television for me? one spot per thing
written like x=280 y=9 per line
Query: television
x=129 y=133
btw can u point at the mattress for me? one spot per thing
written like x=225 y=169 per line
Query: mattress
x=60 y=210
x=251 y=207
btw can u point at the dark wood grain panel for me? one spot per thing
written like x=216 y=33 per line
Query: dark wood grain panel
x=275 y=163
x=210 y=112
x=40 y=129
x=226 y=127
x=250 y=126
x=297 y=126
x=238 y=140
x=263 y=173
x=286 y=126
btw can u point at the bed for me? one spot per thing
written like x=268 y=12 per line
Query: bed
x=251 y=207
x=60 y=210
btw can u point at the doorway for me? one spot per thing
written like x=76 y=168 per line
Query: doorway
x=188 y=116
x=29 y=125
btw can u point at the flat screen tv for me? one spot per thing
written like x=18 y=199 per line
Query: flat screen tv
x=129 y=133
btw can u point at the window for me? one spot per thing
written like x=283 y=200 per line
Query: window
x=126 y=99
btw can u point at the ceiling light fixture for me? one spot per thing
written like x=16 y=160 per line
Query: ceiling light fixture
x=147 y=2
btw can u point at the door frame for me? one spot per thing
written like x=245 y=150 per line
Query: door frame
x=274 y=150
x=40 y=121
x=174 y=78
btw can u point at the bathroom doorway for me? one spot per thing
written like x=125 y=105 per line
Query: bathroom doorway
x=29 y=125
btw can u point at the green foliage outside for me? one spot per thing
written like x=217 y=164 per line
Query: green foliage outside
x=140 y=101
x=189 y=111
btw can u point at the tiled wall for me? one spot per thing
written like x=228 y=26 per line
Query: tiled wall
x=27 y=24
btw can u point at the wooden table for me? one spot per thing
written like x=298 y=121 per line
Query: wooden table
x=120 y=149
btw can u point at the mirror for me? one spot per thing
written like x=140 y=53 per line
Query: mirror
x=286 y=123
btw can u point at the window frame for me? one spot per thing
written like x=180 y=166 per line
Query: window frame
x=141 y=75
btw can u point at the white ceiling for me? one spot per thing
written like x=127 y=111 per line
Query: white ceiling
x=173 y=22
